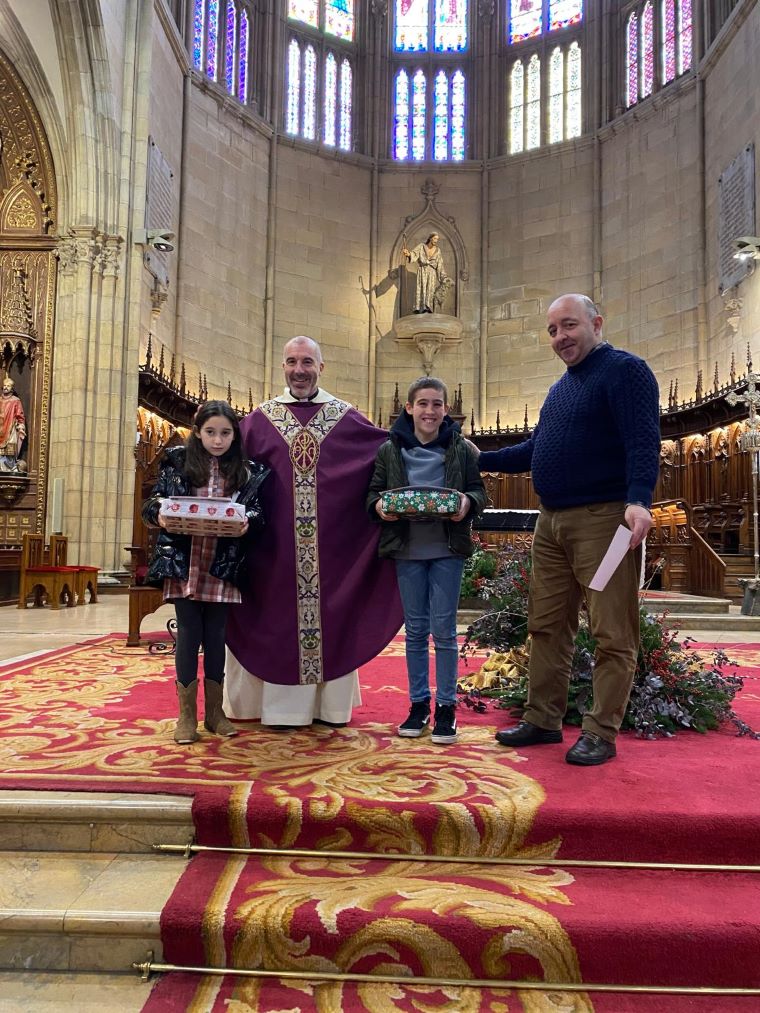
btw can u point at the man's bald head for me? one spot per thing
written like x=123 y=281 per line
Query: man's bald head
x=575 y=327
x=302 y=363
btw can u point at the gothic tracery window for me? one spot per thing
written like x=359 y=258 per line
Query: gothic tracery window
x=432 y=57
x=222 y=43
x=319 y=71
x=543 y=72
x=658 y=46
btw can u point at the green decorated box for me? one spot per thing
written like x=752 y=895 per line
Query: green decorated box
x=421 y=501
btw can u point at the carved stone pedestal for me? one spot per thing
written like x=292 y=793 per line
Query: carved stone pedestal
x=429 y=332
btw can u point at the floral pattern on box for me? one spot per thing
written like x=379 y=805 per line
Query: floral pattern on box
x=203 y=515
x=421 y=501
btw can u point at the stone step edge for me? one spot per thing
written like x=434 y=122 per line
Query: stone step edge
x=19 y=805
x=681 y=620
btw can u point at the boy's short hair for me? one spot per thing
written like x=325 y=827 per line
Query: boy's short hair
x=427 y=382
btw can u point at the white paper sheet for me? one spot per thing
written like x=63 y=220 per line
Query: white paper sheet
x=613 y=557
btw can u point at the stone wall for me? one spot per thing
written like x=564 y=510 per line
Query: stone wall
x=732 y=121
x=272 y=242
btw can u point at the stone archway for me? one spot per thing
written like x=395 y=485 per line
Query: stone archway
x=28 y=268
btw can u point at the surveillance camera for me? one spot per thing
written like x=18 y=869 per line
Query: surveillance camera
x=160 y=239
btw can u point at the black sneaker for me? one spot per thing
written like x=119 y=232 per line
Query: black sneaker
x=445 y=728
x=417 y=722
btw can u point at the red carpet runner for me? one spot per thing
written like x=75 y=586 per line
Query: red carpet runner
x=100 y=717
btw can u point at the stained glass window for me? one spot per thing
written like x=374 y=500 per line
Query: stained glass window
x=556 y=96
x=564 y=12
x=632 y=60
x=516 y=102
x=211 y=38
x=419 y=87
x=331 y=98
x=533 y=104
x=401 y=117
x=346 y=105
x=430 y=101
x=524 y=19
x=450 y=26
x=304 y=10
x=573 y=105
x=647 y=46
x=243 y=58
x=668 y=40
x=229 y=49
x=294 y=87
x=411 y=25
x=457 y=115
x=310 y=94
x=199 y=13
x=441 y=117
x=339 y=18
x=685 y=35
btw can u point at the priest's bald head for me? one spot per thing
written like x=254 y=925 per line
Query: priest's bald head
x=302 y=363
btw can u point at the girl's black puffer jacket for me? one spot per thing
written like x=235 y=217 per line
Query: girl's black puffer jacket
x=171 y=557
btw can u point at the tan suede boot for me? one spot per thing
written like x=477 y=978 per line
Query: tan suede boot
x=187 y=725
x=216 y=720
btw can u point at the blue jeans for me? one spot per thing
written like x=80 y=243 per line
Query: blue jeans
x=430 y=594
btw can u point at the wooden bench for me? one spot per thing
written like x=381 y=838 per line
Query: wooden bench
x=45 y=578
x=87 y=576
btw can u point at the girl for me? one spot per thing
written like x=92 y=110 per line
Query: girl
x=201 y=575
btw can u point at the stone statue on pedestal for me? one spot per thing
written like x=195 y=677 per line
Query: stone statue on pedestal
x=12 y=429
x=432 y=280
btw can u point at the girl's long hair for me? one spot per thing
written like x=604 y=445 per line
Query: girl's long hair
x=197 y=460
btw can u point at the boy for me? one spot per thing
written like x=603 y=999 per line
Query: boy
x=426 y=448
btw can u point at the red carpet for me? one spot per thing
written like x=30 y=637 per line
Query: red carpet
x=100 y=716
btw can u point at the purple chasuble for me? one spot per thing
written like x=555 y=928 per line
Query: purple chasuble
x=340 y=606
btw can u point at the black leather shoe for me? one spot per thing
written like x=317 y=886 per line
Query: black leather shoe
x=590 y=750
x=526 y=734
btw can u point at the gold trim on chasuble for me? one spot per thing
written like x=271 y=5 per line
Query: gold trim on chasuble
x=303 y=443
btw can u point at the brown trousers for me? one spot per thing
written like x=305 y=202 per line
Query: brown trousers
x=568 y=546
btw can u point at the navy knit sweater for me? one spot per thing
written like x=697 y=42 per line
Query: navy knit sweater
x=598 y=435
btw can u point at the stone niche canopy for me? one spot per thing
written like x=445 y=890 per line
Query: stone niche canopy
x=428 y=332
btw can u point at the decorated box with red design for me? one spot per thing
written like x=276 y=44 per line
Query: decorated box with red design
x=203 y=515
x=421 y=501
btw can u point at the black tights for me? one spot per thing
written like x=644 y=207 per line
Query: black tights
x=200 y=623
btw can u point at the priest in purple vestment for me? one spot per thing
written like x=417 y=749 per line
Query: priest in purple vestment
x=319 y=601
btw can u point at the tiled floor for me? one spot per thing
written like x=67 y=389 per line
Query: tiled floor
x=24 y=632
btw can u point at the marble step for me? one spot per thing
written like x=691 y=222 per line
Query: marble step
x=82 y=911
x=716 y=623
x=92 y=821
x=54 y=992
x=690 y=604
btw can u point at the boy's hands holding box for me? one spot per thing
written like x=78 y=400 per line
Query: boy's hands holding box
x=414 y=502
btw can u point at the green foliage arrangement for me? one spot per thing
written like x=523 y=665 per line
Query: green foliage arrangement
x=478 y=568
x=673 y=689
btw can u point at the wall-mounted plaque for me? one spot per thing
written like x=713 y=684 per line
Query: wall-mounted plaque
x=736 y=215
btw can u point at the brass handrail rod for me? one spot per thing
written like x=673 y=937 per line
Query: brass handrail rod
x=562 y=863
x=147 y=967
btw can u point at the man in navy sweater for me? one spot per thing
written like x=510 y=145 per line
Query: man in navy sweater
x=594 y=458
